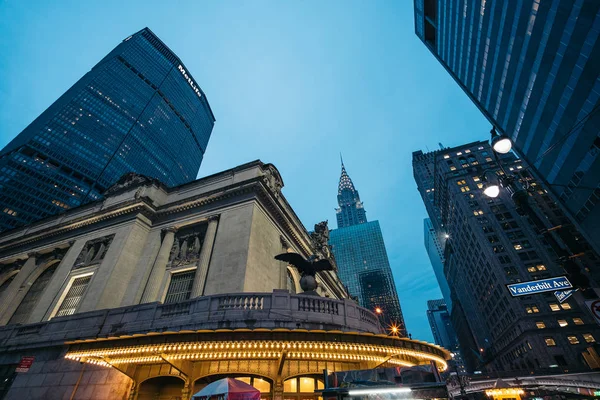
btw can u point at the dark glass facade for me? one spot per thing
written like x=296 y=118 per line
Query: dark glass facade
x=137 y=110
x=443 y=331
x=361 y=257
x=491 y=244
x=533 y=69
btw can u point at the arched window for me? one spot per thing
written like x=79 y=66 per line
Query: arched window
x=5 y=284
x=32 y=297
x=291 y=282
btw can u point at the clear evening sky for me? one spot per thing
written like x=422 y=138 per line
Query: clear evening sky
x=293 y=83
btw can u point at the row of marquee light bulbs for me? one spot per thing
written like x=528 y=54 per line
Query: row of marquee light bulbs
x=257 y=349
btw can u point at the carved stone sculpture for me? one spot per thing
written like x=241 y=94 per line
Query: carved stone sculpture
x=187 y=246
x=320 y=241
x=93 y=251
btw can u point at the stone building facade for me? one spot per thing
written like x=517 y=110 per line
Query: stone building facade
x=157 y=291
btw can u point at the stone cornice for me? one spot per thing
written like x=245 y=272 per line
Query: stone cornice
x=22 y=243
x=290 y=222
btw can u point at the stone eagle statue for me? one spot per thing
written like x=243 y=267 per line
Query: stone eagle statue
x=306 y=267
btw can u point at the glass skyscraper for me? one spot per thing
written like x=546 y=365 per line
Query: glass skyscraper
x=138 y=110
x=532 y=68
x=362 y=260
x=442 y=330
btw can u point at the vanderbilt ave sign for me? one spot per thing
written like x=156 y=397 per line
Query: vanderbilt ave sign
x=542 y=285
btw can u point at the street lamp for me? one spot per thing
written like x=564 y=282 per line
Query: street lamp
x=491 y=190
x=500 y=143
x=378 y=310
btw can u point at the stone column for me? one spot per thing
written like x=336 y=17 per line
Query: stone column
x=160 y=264
x=205 y=254
x=8 y=305
x=278 y=389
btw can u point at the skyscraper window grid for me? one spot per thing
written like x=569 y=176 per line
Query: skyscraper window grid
x=531 y=71
x=133 y=112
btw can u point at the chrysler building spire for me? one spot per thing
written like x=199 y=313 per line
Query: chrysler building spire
x=350 y=211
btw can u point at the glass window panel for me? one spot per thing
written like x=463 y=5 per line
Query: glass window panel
x=573 y=339
x=180 y=286
x=262 y=385
x=33 y=295
x=307 y=384
x=73 y=297
x=290 y=386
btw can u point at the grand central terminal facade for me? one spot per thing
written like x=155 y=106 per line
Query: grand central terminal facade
x=154 y=292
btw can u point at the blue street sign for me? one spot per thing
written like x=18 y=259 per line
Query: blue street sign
x=542 y=285
x=562 y=295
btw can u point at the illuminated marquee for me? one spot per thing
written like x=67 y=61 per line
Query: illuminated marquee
x=190 y=81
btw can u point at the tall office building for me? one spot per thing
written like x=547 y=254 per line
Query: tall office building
x=531 y=67
x=138 y=110
x=435 y=251
x=362 y=260
x=351 y=210
x=443 y=333
x=491 y=244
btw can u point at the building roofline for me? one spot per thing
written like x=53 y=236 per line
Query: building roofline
x=146 y=29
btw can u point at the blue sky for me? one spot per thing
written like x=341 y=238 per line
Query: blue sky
x=293 y=83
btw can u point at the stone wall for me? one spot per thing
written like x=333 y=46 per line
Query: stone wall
x=51 y=377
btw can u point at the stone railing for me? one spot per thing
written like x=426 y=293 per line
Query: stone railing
x=278 y=309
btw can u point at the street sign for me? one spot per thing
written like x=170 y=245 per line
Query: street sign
x=539 y=286
x=562 y=295
x=25 y=364
x=594 y=307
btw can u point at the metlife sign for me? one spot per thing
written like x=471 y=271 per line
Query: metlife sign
x=190 y=81
x=543 y=285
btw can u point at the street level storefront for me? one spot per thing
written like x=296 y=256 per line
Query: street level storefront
x=277 y=362
x=278 y=342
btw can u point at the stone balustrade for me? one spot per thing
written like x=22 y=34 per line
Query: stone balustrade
x=278 y=309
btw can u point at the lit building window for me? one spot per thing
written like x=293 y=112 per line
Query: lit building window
x=565 y=306
x=531 y=269
x=540 y=325
x=465 y=189
x=518 y=247
x=480 y=185
x=459 y=153
x=541 y=267
x=573 y=339
x=550 y=342
x=467 y=151
x=74 y=294
x=303 y=384
x=589 y=338
x=554 y=307
x=562 y=323
x=577 y=321
x=446 y=156
x=476 y=179
x=180 y=287
x=452 y=168
x=532 y=310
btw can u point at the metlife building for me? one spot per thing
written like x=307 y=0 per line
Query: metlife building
x=138 y=110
